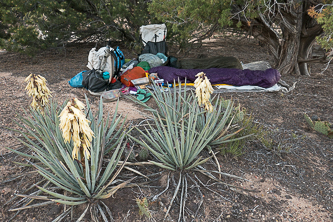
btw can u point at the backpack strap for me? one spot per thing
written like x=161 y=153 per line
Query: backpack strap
x=117 y=69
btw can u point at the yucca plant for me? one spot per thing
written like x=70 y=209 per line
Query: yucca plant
x=177 y=144
x=38 y=125
x=225 y=121
x=77 y=181
x=179 y=100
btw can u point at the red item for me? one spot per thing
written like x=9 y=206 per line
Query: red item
x=135 y=73
x=113 y=80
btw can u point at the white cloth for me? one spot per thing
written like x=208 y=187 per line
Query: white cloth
x=148 y=33
x=249 y=88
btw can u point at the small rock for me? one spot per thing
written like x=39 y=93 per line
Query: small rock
x=54 y=210
x=288 y=197
x=276 y=192
x=315 y=118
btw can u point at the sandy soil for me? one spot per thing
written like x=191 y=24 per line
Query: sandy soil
x=293 y=180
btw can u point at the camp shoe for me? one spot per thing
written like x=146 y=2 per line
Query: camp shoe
x=147 y=97
x=141 y=91
x=140 y=97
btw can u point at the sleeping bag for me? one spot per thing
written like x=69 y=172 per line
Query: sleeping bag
x=235 y=77
x=229 y=62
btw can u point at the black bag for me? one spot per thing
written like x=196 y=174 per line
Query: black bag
x=155 y=47
x=93 y=80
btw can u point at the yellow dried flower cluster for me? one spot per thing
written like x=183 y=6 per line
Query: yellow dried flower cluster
x=74 y=125
x=203 y=90
x=38 y=90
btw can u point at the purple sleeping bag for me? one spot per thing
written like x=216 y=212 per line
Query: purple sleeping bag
x=235 y=77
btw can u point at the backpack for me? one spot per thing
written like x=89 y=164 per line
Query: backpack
x=153 y=38
x=119 y=60
x=106 y=59
x=93 y=81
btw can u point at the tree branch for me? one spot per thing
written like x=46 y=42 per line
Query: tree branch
x=317 y=60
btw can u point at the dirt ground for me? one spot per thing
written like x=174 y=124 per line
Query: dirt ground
x=293 y=180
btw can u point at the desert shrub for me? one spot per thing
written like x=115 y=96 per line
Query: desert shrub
x=180 y=131
x=178 y=102
x=78 y=179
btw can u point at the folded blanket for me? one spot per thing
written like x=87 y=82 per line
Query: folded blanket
x=235 y=77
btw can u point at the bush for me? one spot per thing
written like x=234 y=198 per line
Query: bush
x=81 y=180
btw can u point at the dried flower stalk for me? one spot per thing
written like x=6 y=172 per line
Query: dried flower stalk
x=203 y=90
x=38 y=90
x=75 y=126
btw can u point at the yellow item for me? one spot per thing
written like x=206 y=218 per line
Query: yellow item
x=192 y=84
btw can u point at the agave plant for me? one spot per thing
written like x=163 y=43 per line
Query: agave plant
x=177 y=144
x=179 y=100
x=77 y=181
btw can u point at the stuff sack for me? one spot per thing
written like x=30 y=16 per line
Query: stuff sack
x=152 y=59
x=155 y=47
x=119 y=60
x=93 y=80
x=76 y=81
x=145 y=65
x=153 y=38
x=135 y=73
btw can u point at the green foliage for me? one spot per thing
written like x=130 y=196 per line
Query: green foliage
x=320 y=126
x=182 y=129
x=39 y=24
x=308 y=120
x=176 y=147
x=179 y=100
x=197 y=20
x=325 y=18
x=81 y=182
x=143 y=207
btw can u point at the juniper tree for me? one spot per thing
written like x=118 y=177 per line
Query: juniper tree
x=288 y=27
x=27 y=25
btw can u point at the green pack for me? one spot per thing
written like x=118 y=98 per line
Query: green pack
x=145 y=65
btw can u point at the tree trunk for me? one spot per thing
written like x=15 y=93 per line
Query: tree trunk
x=291 y=26
x=291 y=49
x=287 y=61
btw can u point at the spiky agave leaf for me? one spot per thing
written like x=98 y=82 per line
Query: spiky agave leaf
x=81 y=183
x=174 y=100
x=177 y=146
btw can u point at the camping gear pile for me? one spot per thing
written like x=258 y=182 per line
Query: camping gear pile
x=111 y=75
